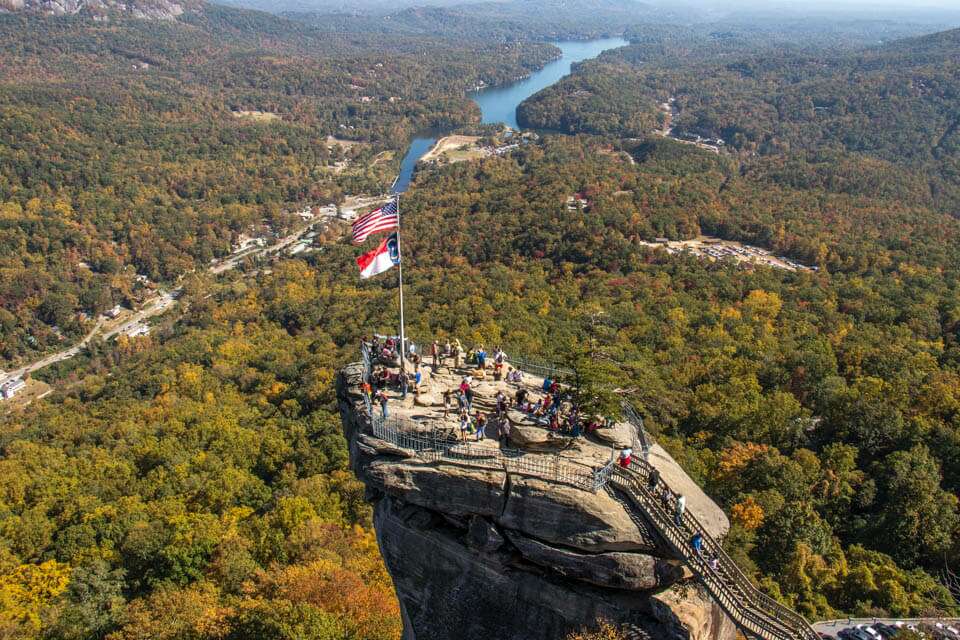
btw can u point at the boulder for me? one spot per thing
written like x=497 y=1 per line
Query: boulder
x=376 y=446
x=612 y=569
x=518 y=417
x=576 y=556
x=454 y=489
x=535 y=438
x=427 y=400
x=689 y=609
x=561 y=514
x=448 y=591
x=620 y=435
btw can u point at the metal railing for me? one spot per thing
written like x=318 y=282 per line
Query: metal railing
x=434 y=445
x=538 y=367
x=755 y=613
x=639 y=435
x=516 y=359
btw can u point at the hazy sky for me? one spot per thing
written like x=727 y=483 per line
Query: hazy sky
x=832 y=4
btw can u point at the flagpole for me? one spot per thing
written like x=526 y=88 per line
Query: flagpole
x=403 y=340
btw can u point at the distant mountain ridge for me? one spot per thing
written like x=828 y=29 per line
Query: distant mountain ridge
x=153 y=9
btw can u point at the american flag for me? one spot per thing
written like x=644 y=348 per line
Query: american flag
x=383 y=219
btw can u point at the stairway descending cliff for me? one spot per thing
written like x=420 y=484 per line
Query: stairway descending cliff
x=756 y=614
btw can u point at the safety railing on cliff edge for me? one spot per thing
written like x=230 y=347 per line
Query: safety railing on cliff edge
x=434 y=445
x=516 y=359
x=639 y=436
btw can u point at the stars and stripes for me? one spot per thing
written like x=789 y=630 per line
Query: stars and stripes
x=386 y=218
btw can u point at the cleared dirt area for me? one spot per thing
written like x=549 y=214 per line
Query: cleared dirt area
x=455 y=149
x=35 y=390
x=717 y=249
x=259 y=116
x=347 y=145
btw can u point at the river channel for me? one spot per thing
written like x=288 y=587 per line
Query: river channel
x=499 y=104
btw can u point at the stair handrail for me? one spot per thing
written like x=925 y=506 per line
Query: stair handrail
x=778 y=614
x=746 y=616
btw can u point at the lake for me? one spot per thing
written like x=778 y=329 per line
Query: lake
x=499 y=104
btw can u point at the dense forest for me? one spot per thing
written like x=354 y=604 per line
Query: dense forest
x=193 y=483
x=810 y=404
x=818 y=408
x=146 y=164
x=895 y=104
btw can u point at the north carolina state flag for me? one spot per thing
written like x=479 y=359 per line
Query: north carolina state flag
x=380 y=259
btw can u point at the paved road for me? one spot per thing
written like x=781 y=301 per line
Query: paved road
x=53 y=358
x=152 y=307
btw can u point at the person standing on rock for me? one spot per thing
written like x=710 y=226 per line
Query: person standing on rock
x=382 y=397
x=404 y=386
x=681 y=507
x=457 y=352
x=481 y=358
x=499 y=359
x=504 y=433
x=501 y=405
x=464 y=425
x=447 y=401
x=435 y=352
x=469 y=396
x=481 y=426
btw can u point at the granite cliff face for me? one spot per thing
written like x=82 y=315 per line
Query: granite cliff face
x=147 y=9
x=489 y=555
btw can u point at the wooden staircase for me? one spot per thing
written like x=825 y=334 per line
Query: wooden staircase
x=755 y=614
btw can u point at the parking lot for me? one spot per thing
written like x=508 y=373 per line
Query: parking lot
x=877 y=629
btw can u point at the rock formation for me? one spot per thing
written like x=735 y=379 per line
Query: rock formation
x=147 y=9
x=486 y=554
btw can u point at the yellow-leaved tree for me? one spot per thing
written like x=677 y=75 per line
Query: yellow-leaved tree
x=26 y=593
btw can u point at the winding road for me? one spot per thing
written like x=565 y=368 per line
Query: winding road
x=152 y=307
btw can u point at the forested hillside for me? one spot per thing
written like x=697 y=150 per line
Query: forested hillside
x=193 y=483
x=147 y=164
x=815 y=406
x=894 y=103
x=537 y=20
x=818 y=408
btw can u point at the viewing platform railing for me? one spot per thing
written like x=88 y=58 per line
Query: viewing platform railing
x=434 y=445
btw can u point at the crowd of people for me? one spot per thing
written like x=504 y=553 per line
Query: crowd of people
x=553 y=407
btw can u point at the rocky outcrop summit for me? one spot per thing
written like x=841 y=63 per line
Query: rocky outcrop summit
x=145 y=9
x=481 y=552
